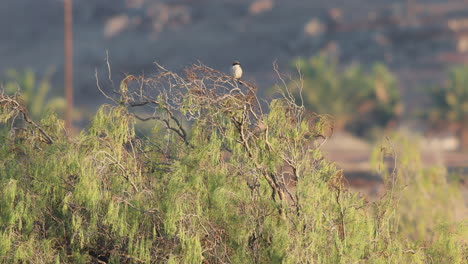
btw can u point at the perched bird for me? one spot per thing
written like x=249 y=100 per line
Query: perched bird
x=236 y=70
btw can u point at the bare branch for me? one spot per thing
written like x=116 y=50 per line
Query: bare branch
x=99 y=87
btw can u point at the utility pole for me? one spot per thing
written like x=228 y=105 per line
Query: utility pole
x=68 y=64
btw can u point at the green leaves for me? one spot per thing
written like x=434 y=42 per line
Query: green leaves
x=356 y=98
x=451 y=101
x=249 y=188
x=34 y=92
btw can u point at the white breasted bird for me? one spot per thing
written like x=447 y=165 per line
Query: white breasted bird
x=236 y=70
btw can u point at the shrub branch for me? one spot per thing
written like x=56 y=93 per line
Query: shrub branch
x=10 y=102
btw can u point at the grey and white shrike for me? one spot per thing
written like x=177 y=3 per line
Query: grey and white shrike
x=236 y=70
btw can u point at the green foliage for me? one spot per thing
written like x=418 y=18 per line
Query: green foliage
x=237 y=186
x=357 y=99
x=451 y=101
x=423 y=201
x=34 y=93
x=450 y=105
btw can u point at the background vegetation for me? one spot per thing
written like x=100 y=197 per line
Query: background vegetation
x=358 y=99
x=450 y=104
x=34 y=93
x=220 y=179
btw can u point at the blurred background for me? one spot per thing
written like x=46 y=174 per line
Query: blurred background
x=376 y=66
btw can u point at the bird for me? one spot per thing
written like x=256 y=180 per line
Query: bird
x=236 y=70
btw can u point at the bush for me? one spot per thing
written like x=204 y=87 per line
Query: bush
x=426 y=199
x=450 y=104
x=34 y=93
x=233 y=184
x=358 y=100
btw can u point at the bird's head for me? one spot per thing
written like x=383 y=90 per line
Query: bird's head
x=236 y=63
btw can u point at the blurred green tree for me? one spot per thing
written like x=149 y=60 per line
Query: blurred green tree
x=33 y=92
x=450 y=104
x=358 y=100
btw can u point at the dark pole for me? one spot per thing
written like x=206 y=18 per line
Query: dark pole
x=68 y=64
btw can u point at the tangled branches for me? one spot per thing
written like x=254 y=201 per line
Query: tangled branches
x=213 y=102
x=11 y=108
